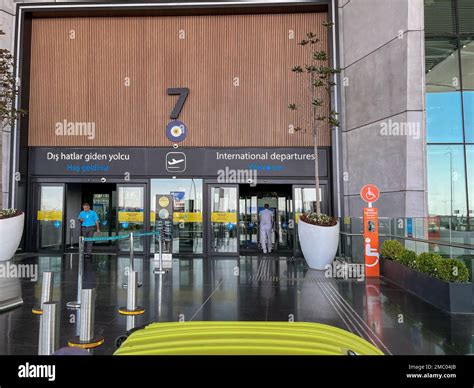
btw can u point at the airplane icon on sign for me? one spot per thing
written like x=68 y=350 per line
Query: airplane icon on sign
x=175 y=162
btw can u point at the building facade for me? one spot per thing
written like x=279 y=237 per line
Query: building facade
x=101 y=82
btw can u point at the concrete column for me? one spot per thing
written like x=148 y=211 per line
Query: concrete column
x=381 y=47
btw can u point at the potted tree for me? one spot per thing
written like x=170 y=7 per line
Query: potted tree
x=11 y=230
x=318 y=233
x=11 y=220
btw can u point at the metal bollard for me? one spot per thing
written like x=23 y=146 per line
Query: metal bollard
x=160 y=295
x=46 y=292
x=132 y=308
x=131 y=268
x=159 y=271
x=86 y=338
x=49 y=329
x=77 y=303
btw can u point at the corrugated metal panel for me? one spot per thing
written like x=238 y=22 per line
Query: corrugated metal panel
x=83 y=79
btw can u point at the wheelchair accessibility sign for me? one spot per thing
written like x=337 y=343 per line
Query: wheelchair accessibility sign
x=370 y=193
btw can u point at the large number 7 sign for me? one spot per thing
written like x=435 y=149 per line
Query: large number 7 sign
x=183 y=94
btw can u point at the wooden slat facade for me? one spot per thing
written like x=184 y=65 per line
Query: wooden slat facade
x=83 y=79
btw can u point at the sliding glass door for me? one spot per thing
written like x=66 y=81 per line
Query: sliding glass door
x=224 y=229
x=49 y=216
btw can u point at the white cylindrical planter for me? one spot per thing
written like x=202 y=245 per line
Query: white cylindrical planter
x=11 y=230
x=318 y=244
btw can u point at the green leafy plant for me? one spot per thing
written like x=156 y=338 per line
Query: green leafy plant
x=321 y=220
x=468 y=260
x=9 y=213
x=453 y=270
x=391 y=249
x=8 y=93
x=8 y=89
x=428 y=263
x=319 y=80
x=407 y=257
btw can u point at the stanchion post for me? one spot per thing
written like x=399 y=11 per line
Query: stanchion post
x=46 y=291
x=131 y=251
x=132 y=290
x=132 y=257
x=49 y=329
x=160 y=257
x=86 y=328
x=71 y=235
x=132 y=308
x=77 y=303
x=87 y=339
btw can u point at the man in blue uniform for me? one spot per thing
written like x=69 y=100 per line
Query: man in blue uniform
x=89 y=224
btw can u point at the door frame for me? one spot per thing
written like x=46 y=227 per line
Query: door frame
x=146 y=217
x=31 y=242
x=208 y=184
x=295 y=183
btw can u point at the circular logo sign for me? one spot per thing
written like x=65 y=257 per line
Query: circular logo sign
x=163 y=214
x=370 y=193
x=176 y=131
x=163 y=201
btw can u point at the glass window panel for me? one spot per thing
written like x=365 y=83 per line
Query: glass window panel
x=468 y=100
x=131 y=202
x=224 y=219
x=444 y=117
x=187 y=212
x=467 y=62
x=439 y=17
x=442 y=64
x=446 y=180
x=466 y=16
x=470 y=176
x=50 y=217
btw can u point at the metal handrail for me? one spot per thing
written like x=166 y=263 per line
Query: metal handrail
x=421 y=240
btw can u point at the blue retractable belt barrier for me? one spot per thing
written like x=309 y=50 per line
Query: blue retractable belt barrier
x=121 y=237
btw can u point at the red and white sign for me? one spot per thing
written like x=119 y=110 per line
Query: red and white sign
x=371 y=242
x=370 y=193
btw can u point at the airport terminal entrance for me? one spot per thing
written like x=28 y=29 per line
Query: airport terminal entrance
x=228 y=224
x=120 y=208
x=233 y=222
x=251 y=201
x=102 y=198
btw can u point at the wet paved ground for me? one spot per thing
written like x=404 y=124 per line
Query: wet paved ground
x=247 y=288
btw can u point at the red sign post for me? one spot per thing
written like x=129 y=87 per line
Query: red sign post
x=370 y=194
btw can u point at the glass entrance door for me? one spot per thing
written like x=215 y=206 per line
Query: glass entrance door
x=102 y=205
x=224 y=229
x=131 y=215
x=284 y=223
x=49 y=217
x=248 y=222
x=252 y=201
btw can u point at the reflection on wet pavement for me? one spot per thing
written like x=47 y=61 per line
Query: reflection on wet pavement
x=247 y=288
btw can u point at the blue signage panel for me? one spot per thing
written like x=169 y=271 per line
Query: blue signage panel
x=409 y=227
x=148 y=162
